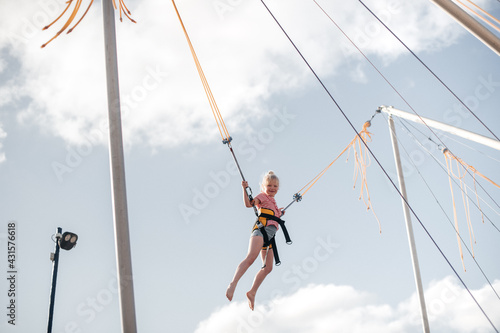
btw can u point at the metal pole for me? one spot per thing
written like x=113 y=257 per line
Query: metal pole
x=55 y=266
x=469 y=23
x=442 y=126
x=120 y=213
x=409 y=227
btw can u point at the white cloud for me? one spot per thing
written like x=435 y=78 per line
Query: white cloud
x=246 y=59
x=331 y=308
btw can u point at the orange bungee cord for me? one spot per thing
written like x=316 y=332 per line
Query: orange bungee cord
x=361 y=162
x=122 y=7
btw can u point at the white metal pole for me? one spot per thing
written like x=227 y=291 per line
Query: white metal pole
x=442 y=126
x=469 y=23
x=119 y=195
x=409 y=227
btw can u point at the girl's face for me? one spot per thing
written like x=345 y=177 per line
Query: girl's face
x=272 y=187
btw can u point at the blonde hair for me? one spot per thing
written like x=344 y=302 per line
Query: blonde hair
x=268 y=177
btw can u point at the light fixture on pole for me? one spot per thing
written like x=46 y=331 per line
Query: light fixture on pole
x=68 y=240
x=65 y=241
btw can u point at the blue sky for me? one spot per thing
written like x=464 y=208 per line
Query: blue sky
x=189 y=228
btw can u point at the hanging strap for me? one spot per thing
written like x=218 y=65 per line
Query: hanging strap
x=281 y=223
x=271 y=243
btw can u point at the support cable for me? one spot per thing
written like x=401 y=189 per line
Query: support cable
x=385 y=79
x=423 y=64
x=382 y=168
x=388 y=82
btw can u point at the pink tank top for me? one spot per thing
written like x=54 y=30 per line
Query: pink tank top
x=269 y=203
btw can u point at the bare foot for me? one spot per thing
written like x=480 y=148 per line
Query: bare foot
x=230 y=291
x=251 y=300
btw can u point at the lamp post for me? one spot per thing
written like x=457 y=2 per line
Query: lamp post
x=64 y=241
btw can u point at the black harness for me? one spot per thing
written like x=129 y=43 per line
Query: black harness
x=261 y=223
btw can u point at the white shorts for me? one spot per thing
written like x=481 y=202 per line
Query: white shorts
x=270 y=231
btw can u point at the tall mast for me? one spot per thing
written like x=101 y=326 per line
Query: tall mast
x=409 y=228
x=119 y=193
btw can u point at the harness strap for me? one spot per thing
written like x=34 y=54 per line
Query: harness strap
x=271 y=243
x=281 y=223
x=261 y=227
x=275 y=252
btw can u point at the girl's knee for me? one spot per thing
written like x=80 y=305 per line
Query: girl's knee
x=248 y=261
x=268 y=269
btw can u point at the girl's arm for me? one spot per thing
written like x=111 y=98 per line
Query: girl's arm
x=246 y=200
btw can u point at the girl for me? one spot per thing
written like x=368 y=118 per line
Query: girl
x=265 y=199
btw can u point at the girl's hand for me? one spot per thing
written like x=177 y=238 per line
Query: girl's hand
x=282 y=211
x=244 y=184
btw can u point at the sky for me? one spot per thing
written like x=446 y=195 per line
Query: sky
x=189 y=228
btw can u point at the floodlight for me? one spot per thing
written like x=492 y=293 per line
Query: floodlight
x=68 y=240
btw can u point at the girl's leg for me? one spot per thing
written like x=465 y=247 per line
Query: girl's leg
x=254 y=247
x=261 y=275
